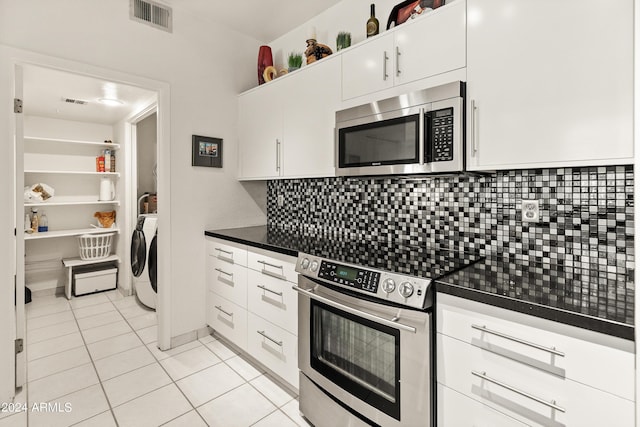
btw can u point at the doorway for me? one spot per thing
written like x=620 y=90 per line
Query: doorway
x=54 y=144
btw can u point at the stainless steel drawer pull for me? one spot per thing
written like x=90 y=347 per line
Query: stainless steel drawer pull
x=551 y=350
x=264 y=288
x=278 y=343
x=228 y=257
x=270 y=265
x=270 y=273
x=388 y=322
x=223 y=251
x=224 y=311
x=223 y=272
x=551 y=404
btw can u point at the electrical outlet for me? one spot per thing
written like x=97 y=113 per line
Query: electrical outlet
x=530 y=210
x=280 y=200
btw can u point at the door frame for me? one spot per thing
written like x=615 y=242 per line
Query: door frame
x=21 y=58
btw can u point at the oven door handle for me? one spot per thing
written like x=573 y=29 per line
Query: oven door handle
x=388 y=322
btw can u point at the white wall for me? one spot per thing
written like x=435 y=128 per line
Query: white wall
x=205 y=65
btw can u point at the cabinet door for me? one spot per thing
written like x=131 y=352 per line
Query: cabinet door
x=434 y=44
x=552 y=84
x=260 y=132
x=368 y=68
x=308 y=147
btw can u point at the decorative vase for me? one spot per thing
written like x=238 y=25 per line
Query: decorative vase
x=265 y=59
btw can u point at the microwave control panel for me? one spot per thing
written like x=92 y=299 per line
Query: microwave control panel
x=442 y=135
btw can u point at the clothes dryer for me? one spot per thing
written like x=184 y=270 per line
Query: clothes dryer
x=141 y=254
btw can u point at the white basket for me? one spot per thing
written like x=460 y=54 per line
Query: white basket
x=95 y=246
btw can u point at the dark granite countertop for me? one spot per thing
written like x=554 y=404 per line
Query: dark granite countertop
x=581 y=297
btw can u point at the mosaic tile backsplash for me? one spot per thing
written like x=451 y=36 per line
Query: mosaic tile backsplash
x=586 y=225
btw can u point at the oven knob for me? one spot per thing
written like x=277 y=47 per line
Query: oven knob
x=305 y=263
x=388 y=286
x=405 y=289
x=314 y=265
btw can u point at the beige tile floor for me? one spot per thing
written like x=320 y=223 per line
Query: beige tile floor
x=97 y=355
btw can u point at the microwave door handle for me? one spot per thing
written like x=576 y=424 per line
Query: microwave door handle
x=387 y=322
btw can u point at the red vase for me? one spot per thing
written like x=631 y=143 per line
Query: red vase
x=265 y=59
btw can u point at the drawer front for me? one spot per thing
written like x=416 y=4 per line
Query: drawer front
x=227 y=319
x=457 y=410
x=273 y=299
x=274 y=347
x=523 y=392
x=568 y=351
x=230 y=252
x=273 y=264
x=228 y=281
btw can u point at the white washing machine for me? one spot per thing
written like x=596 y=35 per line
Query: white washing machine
x=142 y=266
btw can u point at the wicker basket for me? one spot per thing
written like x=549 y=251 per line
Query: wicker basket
x=95 y=246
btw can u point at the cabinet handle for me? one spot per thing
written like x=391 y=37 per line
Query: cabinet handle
x=224 y=272
x=551 y=350
x=224 y=258
x=277 y=154
x=278 y=343
x=398 y=61
x=224 y=311
x=269 y=273
x=264 y=288
x=474 y=146
x=551 y=404
x=385 y=58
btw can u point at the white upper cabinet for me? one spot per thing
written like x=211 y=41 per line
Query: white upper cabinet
x=432 y=44
x=309 y=120
x=368 y=68
x=286 y=126
x=549 y=84
x=260 y=132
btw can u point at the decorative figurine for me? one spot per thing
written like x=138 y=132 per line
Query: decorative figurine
x=315 y=50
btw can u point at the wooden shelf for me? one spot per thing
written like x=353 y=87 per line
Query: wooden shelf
x=112 y=174
x=68 y=201
x=73 y=141
x=69 y=233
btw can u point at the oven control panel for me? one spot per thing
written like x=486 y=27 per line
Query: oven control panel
x=398 y=288
x=358 y=278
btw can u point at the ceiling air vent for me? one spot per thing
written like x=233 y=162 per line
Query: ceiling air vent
x=152 y=13
x=74 y=101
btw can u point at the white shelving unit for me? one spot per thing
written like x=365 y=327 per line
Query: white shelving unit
x=35 y=139
x=69 y=233
x=67 y=164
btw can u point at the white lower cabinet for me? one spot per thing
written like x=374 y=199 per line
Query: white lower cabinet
x=274 y=347
x=457 y=410
x=251 y=303
x=228 y=319
x=273 y=299
x=538 y=372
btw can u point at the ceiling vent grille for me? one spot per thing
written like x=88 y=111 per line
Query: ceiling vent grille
x=152 y=13
x=74 y=101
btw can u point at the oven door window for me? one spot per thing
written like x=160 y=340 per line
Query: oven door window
x=359 y=355
x=388 y=142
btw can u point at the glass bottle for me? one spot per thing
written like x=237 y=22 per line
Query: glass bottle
x=373 y=26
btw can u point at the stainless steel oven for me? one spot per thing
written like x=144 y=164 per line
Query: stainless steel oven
x=365 y=349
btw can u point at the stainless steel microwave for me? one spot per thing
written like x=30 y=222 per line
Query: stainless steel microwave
x=415 y=133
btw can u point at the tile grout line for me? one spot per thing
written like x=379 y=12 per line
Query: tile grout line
x=97 y=374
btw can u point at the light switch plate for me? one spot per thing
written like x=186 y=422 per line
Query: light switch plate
x=530 y=210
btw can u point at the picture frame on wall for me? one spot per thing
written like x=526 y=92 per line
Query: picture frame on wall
x=206 y=151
